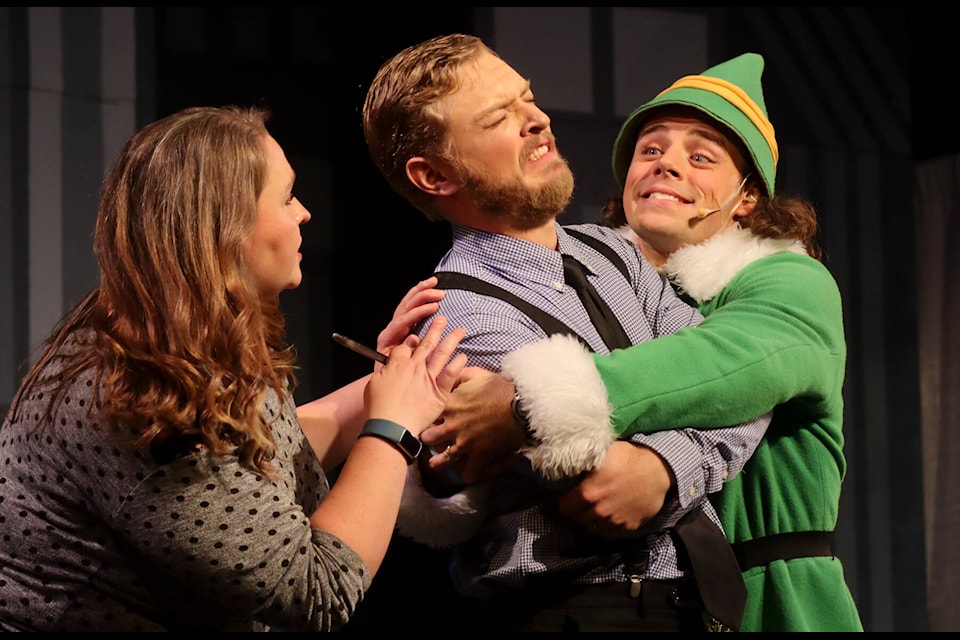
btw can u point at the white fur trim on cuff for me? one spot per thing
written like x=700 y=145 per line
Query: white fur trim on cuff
x=566 y=401
x=439 y=522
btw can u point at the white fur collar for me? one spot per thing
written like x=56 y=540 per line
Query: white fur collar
x=703 y=270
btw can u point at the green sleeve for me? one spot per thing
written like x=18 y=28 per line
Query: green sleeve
x=775 y=333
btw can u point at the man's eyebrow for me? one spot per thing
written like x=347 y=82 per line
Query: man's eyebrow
x=651 y=128
x=503 y=103
x=712 y=136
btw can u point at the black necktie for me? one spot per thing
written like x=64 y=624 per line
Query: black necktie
x=601 y=315
x=715 y=569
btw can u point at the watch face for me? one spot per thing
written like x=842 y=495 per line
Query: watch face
x=410 y=444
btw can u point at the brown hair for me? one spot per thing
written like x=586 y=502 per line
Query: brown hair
x=183 y=346
x=399 y=121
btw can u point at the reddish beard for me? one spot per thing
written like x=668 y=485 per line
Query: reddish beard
x=524 y=206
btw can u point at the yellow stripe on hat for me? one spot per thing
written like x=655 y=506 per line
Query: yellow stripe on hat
x=737 y=97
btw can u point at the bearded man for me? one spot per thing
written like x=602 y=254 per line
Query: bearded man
x=456 y=131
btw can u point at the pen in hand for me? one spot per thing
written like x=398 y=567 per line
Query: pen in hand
x=362 y=349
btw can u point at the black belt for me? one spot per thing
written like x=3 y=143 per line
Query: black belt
x=782 y=546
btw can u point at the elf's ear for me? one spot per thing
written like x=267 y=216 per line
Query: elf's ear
x=747 y=204
x=431 y=177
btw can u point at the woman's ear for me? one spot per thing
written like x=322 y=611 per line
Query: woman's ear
x=430 y=177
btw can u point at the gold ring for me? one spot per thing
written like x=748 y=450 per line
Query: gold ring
x=451 y=454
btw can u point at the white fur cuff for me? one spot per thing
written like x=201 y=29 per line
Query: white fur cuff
x=566 y=401
x=439 y=522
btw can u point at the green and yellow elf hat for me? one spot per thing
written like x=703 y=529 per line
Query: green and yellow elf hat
x=729 y=92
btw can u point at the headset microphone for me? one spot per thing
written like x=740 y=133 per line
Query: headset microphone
x=703 y=213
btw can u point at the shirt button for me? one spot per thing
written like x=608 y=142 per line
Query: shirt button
x=558 y=286
x=693 y=490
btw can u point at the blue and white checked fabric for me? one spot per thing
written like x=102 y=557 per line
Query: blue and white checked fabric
x=524 y=540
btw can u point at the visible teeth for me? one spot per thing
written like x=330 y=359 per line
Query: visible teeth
x=656 y=195
x=538 y=153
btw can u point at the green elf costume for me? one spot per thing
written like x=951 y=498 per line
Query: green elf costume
x=773 y=338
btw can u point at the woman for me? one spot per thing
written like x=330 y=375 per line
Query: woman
x=154 y=475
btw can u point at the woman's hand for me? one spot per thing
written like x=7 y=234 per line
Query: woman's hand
x=412 y=389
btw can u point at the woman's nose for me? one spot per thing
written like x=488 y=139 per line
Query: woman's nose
x=304 y=213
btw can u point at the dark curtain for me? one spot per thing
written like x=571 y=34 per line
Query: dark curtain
x=938 y=229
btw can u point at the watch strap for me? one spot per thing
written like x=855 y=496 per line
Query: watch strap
x=523 y=419
x=396 y=434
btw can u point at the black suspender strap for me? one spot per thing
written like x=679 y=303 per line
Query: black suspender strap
x=549 y=324
x=603 y=248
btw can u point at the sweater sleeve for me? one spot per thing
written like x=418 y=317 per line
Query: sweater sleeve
x=775 y=333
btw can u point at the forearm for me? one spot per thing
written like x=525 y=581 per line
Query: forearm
x=333 y=422
x=700 y=462
x=774 y=335
x=676 y=381
x=362 y=506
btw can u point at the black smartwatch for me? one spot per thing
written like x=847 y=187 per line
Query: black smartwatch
x=408 y=444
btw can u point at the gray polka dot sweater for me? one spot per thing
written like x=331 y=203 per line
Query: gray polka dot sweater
x=96 y=535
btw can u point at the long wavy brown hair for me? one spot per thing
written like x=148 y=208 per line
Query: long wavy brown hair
x=183 y=346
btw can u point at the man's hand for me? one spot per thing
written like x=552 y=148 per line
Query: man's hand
x=623 y=494
x=477 y=435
